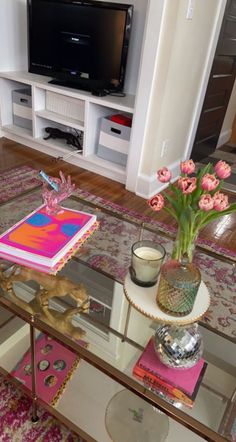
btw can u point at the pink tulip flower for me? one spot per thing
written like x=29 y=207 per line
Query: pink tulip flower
x=222 y=169
x=164 y=175
x=206 y=202
x=187 y=185
x=209 y=182
x=220 y=202
x=187 y=166
x=156 y=202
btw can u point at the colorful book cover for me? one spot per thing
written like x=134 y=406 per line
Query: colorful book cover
x=55 y=365
x=187 y=380
x=41 y=240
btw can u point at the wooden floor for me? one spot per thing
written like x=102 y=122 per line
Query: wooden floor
x=222 y=231
x=233 y=134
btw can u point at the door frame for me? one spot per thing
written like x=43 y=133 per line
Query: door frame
x=205 y=78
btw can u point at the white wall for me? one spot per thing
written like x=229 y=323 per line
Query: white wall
x=135 y=46
x=180 y=76
x=13 y=42
x=149 y=58
x=226 y=129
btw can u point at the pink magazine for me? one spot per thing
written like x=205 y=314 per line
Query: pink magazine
x=54 y=367
x=44 y=241
x=186 y=380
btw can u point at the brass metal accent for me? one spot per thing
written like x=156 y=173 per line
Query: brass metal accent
x=33 y=374
x=127 y=321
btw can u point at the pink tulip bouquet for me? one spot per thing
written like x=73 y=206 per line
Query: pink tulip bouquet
x=194 y=201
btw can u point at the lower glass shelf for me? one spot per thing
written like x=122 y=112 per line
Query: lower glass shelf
x=130 y=419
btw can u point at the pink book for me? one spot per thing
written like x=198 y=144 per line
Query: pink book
x=54 y=367
x=187 y=380
x=44 y=241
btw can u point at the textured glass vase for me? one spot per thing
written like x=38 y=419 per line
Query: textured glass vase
x=178 y=286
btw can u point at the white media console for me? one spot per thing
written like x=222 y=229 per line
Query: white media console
x=90 y=110
x=139 y=84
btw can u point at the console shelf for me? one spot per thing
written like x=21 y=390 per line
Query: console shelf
x=53 y=116
x=91 y=109
x=17 y=130
x=59 y=145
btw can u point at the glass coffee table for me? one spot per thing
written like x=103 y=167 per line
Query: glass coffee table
x=116 y=333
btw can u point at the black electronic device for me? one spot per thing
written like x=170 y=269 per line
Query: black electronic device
x=54 y=133
x=81 y=44
x=98 y=92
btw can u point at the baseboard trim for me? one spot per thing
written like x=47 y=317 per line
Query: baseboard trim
x=147 y=186
x=224 y=138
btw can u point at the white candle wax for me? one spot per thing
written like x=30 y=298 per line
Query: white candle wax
x=146 y=262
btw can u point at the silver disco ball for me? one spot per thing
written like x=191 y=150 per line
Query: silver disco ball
x=178 y=347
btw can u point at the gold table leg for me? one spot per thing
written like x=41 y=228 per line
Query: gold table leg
x=129 y=307
x=127 y=322
x=35 y=417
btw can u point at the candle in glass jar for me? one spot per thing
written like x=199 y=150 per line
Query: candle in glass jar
x=146 y=262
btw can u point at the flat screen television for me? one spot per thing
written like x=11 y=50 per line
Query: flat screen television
x=80 y=44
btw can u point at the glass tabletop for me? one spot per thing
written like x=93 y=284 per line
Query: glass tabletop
x=115 y=343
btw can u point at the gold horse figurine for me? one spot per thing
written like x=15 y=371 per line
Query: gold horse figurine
x=52 y=286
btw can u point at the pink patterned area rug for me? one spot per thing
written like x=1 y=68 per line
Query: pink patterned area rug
x=20 y=179
x=131 y=215
x=17 y=180
x=15 y=420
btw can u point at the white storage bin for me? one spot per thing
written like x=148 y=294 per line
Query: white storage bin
x=22 y=108
x=114 y=141
x=66 y=106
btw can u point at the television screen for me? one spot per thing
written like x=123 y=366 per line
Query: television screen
x=81 y=43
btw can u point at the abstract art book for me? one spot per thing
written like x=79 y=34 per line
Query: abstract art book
x=45 y=242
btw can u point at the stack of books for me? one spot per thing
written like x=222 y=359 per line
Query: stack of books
x=180 y=385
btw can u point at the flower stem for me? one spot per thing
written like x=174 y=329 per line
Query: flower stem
x=184 y=244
